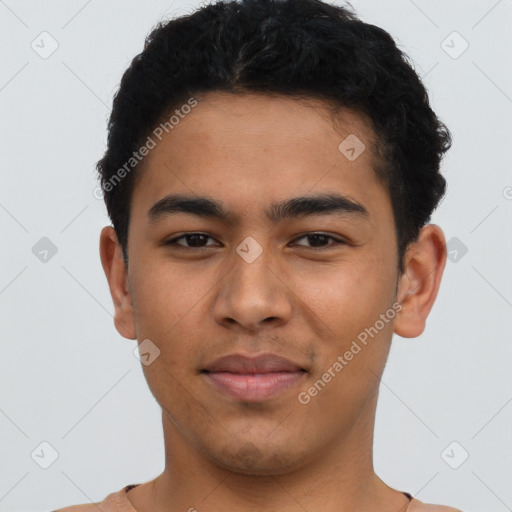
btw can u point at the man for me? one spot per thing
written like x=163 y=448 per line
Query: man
x=270 y=173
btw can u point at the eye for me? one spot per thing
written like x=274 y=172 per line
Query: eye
x=319 y=239
x=195 y=240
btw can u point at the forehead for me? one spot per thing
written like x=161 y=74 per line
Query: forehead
x=251 y=148
x=290 y=119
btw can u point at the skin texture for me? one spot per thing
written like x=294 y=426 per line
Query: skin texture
x=195 y=305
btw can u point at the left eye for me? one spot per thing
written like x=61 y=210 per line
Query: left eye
x=320 y=238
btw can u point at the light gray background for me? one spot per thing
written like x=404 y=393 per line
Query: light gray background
x=69 y=379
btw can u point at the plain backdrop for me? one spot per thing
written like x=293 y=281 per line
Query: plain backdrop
x=70 y=381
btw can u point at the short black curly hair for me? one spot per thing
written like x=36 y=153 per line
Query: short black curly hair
x=298 y=48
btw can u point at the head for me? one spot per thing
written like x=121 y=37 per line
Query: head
x=295 y=133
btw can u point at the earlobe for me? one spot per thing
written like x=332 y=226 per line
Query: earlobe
x=116 y=274
x=419 y=284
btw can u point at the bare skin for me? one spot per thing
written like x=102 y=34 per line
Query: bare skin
x=197 y=303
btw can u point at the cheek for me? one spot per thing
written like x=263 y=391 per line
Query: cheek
x=349 y=300
x=163 y=309
x=163 y=298
x=347 y=296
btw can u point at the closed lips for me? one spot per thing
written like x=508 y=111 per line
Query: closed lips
x=253 y=379
x=262 y=364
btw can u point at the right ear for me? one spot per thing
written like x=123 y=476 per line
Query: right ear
x=117 y=276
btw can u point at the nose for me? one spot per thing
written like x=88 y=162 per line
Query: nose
x=253 y=296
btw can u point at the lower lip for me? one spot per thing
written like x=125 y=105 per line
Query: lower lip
x=254 y=387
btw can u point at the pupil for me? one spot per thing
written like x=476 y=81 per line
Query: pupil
x=195 y=238
x=317 y=238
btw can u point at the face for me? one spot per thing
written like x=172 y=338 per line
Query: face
x=241 y=275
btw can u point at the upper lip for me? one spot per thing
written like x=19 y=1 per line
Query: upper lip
x=264 y=363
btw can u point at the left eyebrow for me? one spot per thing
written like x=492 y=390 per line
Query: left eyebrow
x=321 y=204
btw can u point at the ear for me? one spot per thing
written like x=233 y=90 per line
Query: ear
x=117 y=277
x=424 y=264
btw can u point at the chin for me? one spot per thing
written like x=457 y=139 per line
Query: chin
x=250 y=458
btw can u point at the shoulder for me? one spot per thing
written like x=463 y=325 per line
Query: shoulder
x=114 y=502
x=419 y=506
x=88 y=507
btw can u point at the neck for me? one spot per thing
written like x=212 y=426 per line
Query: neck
x=339 y=479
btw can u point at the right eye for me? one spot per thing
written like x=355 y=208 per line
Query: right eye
x=195 y=240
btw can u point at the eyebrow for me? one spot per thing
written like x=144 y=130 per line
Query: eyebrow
x=205 y=207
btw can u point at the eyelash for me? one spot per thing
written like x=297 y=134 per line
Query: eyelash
x=336 y=240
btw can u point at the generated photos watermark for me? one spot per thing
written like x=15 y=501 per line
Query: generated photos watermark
x=151 y=142
x=341 y=362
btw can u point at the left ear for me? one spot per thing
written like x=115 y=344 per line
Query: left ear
x=424 y=264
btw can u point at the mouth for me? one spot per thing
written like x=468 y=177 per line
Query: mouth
x=253 y=378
